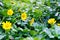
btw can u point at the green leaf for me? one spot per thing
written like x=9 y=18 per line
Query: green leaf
x=2 y=36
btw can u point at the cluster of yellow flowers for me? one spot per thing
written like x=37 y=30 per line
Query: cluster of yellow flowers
x=52 y=21
x=8 y=25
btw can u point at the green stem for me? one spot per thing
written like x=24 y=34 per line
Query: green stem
x=52 y=26
x=7 y=35
x=16 y=17
x=3 y=19
x=41 y=21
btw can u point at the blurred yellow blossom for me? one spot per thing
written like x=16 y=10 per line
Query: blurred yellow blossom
x=12 y=2
x=58 y=24
x=10 y=12
x=7 y=25
x=24 y=16
x=51 y=21
x=31 y=21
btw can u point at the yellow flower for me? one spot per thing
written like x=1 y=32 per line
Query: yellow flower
x=12 y=2
x=7 y=25
x=31 y=21
x=24 y=16
x=58 y=24
x=10 y=12
x=51 y=21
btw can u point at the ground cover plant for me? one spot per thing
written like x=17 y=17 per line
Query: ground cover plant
x=29 y=19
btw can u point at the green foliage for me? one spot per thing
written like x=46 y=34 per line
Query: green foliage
x=40 y=10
